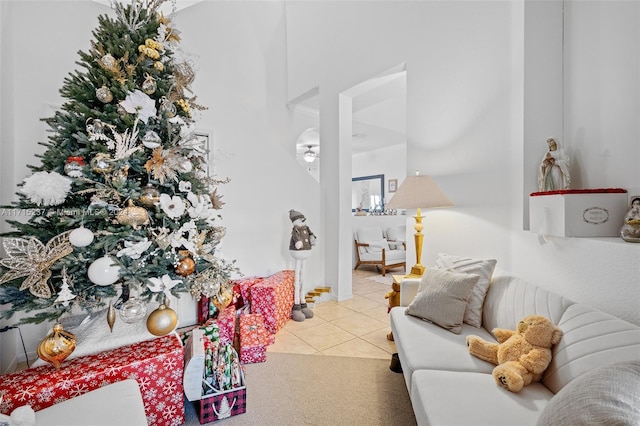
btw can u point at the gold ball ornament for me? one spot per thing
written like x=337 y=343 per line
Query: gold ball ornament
x=222 y=299
x=149 y=196
x=162 y=321
x=158 y=65
x=101 y=163
x=133 y=216
x=104 y=94
x=108 y=61
x=149 y=85
x=57 y=346
x=167 y=108
x=185 y=266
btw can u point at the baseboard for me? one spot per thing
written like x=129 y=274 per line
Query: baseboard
x=11 y=367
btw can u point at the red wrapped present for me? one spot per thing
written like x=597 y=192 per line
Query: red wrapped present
x=253 y=338
x=273 y=298
x=243 y=286
x=155 y=364
x=227 y=324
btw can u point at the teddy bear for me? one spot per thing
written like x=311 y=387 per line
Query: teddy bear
x=521 y=355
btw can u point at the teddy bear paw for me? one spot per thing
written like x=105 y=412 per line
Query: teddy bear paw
x=513 y=384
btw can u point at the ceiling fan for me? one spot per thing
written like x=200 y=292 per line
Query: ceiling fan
x=310 y=155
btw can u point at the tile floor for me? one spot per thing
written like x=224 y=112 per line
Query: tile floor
x=357 y=327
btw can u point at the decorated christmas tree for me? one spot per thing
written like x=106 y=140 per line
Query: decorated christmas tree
x=121 y=202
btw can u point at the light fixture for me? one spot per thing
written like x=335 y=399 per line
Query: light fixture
x=309 y=156
x=418 y=192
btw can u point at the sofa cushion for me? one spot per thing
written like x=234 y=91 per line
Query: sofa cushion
x=591 y=339
x=442 y=298
x=371 y=235
x=422 y=345
x=606 y=395
x=474 y=399
x=509 y=299
x=484 y=269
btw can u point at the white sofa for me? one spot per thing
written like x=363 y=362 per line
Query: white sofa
x=448 y=386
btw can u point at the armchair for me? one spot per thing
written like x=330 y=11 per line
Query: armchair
x=373 y=249
x=396 y=237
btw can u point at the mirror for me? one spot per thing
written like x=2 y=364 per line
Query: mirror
x=367 y=193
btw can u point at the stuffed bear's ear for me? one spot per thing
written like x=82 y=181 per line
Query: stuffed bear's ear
x=556 y=336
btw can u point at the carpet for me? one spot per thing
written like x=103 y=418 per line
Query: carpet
x=293 y=389
x=387 y=279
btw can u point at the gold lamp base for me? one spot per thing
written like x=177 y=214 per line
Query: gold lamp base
x=418 y=268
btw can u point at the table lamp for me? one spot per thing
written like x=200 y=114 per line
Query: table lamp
x=418 y=192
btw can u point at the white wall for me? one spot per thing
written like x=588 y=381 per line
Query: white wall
x=469 y=120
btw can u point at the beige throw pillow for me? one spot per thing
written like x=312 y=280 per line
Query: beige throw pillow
x=442 y=297
x=484 y=269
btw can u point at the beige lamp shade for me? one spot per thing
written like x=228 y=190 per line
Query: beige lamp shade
x=417 y=192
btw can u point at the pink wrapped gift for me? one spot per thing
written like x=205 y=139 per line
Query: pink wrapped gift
x=227 y=324
x=253 y=338
x=273 y=298
x=244 y=285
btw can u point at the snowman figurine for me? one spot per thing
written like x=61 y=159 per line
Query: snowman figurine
x=302 y=239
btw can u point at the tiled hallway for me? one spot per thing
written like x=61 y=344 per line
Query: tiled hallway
x=357 y=327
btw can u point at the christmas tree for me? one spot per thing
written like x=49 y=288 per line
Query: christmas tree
x=122 y=199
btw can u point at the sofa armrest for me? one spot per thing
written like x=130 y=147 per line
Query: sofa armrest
x=408 y=290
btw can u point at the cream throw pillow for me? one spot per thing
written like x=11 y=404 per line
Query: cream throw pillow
x=442 y=297
x=484 y=269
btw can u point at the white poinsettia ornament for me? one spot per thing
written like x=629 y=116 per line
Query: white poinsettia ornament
x=200 y=206
x=46 y=188
x=173 y=206
x=163 y=284
x=138 y=102
x=134 y=249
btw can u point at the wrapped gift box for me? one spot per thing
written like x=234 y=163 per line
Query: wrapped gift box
x=244 y=287
x=253 y=338
x=273 y=298
x=156 y=365
x=578 y=212
x=227 y=324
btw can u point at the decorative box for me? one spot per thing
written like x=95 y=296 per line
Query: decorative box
x=155 y=364
x=578 y=212
x=209 y=367
x=222 y=405
x=253 y=338
x=273 y=298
